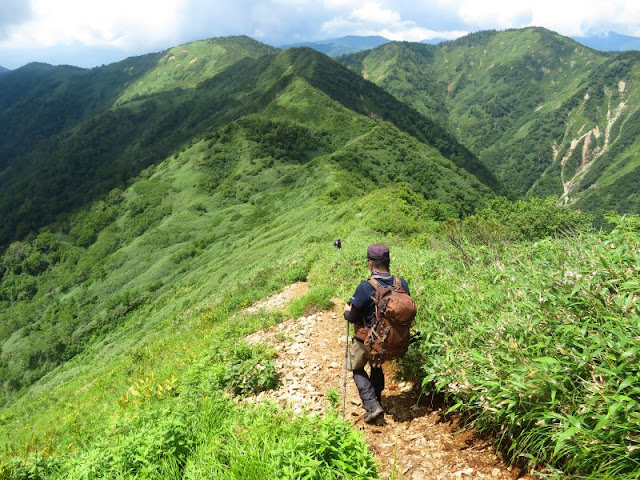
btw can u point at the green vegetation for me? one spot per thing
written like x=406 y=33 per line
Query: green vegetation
x=560 y=319
x=188 y=65
x=557 y=312
x=188 y=427
x=121 y=320
x=524 y=102
x=68 y=170
x=75 y=284
x=143 y=231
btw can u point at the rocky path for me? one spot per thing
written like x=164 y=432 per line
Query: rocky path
x=414 y=442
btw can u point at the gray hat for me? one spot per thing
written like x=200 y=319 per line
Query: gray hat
x=378 y=252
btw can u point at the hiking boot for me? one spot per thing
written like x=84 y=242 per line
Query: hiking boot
x=372 y=415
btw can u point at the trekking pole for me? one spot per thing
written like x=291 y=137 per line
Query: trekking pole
x=344 y=382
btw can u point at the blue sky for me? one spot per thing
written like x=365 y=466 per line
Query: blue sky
x=88 y=33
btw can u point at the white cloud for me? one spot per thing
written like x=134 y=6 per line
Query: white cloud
x=501 y=13
x=418 y=34
x=114 y=23
x=373 y=18
x=374 y=13
x=136 y=26
x=568 y=17
x=588 y=16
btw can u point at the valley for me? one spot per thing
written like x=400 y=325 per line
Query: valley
x=153 y=205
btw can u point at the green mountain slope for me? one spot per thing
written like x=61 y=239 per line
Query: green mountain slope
x=510 y=98
x=308 y=135
x=404 y=69
x=597 y=162
x=65 y=171
x=122 y=323
x=363 y=97
x=39 y=100
x=188 y=65
x=139 y=287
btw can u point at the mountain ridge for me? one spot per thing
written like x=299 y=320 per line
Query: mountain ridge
x=301 y=151
x=123 y=322
x=141 y=129
x=503 y=94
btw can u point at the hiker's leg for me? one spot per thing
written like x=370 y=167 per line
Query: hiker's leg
x=365 y=389
x=377 y=381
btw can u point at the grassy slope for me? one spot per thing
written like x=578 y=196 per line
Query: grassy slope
x=515 y=98
x=216 y=213
x=604 y=165
x=558 y=317
x=554 y=389
x=235 y=213
x=67 y=170
x=404 y=69
x=188 y=65
x=83 y=142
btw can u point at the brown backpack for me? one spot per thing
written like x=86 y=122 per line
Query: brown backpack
x=389 y=335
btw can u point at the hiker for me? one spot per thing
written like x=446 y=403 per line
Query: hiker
x=361 y=311
x=337 y=243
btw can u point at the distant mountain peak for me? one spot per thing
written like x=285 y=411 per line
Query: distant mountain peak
x=610 y=42
x=36 y=66
x=334 y=47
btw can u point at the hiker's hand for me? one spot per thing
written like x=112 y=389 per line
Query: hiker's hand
x=347 y=308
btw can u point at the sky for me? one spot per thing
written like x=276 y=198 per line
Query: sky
x=90 y=33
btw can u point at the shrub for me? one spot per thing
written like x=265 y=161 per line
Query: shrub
x=538 y=348
x=245 y=370
x=536 y=218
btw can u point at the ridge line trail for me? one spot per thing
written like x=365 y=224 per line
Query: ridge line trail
x=310 y=361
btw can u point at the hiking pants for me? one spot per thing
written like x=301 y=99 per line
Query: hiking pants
x=369 y=386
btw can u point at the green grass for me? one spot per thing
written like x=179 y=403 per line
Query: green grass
x=122 y=323
x=186 y=426
x=557 y=315
x=187 y=65
x=535 y=344
x=107 y=316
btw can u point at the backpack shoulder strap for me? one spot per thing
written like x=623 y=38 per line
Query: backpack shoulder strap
x=376 y=286
x=397 y=284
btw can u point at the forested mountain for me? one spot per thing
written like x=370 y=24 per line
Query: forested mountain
x=232 y=183
x=249 y=135
x=78 y=154
x=148 y=203
x=340 y=46
x=66 y=140
x=39 y=101
x=546 y=115
x=3 y=70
